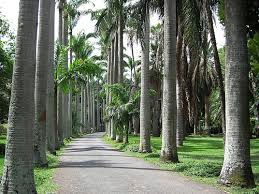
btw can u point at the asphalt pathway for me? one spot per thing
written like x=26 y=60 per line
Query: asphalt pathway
x=89 y=166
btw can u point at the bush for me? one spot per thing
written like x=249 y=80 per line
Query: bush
x=199 y=168
x=133 y=148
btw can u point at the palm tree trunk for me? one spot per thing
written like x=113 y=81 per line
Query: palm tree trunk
x=180 y=116
x=50 y=106
x=19 y=145
x=236 y=168
x=93 y=109
x=42 y=61
x=66 y=114
x=97 y=109
x=169 y=149
x=85 y=110
x=57 y=144
x=145 y=125
x=155 y=120
x=89 y=106
x=136 y=123
x=107 y=123
x=179 y=85
x=70 y=97
x=120 y=47
x=115 y=80
x=82 y=108
x=217 y=66
x=77 y=111
x=60 y=110
x=207 y=114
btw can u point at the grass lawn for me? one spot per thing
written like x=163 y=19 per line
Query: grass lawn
x=200 y=158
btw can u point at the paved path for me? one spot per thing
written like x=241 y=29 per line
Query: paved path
x=90 y=166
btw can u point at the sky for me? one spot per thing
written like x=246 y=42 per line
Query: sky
x=10 y=9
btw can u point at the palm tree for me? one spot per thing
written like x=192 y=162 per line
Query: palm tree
x=60 y=109
x=66 y=112
x=19 y=146
x=42 y=62
x=145 y=125
x=169 y=149
x=236 y=168
x=217 y=62
x=50 y=106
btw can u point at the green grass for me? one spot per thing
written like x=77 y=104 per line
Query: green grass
x=200 y=158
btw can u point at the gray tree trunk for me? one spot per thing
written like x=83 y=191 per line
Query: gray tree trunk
x=89 y=106
x=207 y=114
x=155 y=120
x=169 y=149
x=57 y=144
x=97 y=109
x=82 y=109
x=236 y=168
x=115 y=80
x=179 y=83
x=60 y=110
x=19 y=145
x=93 y=109
x=42 y=66
x=107 y=123
x=119 y=135
x=85 y=110
x=136 y=124
x=120 y=47
x=145 y=117
x=180 y=116
x=77 y=111
x=66 y=114
x=111 y=82
x=50 y=107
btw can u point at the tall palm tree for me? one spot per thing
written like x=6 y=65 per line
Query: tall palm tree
x=66 y=111
x=42 y=63
x=19 y=146
x=220 y=78
x=169 y=149
x=60 y=109
x=236 y=168
x=145 y=124
x=50 y=106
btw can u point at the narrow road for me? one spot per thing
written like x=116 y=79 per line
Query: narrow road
x=90 y=166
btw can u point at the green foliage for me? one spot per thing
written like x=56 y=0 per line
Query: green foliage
x=215 y=114
x=6 y=65
x=83 y=67
x=221 y=11
x=253 y=45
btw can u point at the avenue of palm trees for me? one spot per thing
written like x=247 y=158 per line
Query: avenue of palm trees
x=183 y=85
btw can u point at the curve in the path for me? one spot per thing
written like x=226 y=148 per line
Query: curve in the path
x=89 y=166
